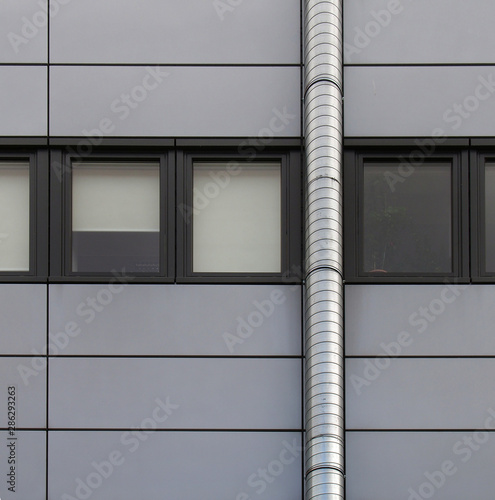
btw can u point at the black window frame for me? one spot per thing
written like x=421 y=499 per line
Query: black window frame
x=354 y=161
x=38 y=160
x=479 y=158
x=291 y=208
x=61 y=216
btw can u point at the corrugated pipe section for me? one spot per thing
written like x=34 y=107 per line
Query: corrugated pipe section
x=324 y=341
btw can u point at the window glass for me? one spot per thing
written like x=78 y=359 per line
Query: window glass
x=115 y=217
x=14 y=216
x=407 y=219
x=490 y=217
x=236 y=218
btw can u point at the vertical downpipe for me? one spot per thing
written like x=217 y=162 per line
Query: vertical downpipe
x=324 y=335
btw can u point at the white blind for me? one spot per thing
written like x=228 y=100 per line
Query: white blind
x=14 y=216
x=237 y=218
x=115 y=197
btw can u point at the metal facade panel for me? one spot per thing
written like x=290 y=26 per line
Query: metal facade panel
x=23 y=25
x=424 y=101
x=423 y=393
x=27 y=376
x=192 y=32
x=178 y=465
x=23 y=313
x=209 y=393
x=420 y=31
x=418 y=465
x=420 y=320
x=170 y=101
x=23 y=100
x=28 y=457
x=219 y=320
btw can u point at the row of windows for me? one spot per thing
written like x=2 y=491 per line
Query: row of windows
x=170 y=215
x=182 y=215
x=420 y=217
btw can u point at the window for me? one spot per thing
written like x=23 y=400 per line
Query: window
x=116 y=215
x=483 y=220
x=23 y=214
x=14 y=216
x=404 y=218
x=237 y=218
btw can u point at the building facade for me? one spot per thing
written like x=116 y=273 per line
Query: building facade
x=199 y=201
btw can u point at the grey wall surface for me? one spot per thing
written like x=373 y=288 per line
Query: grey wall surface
x=178 y=465
x=28 y=376
x=181 y=101
x=158 y=319
x=30 y=465
x=191 y=32
x=210 y=393
x=423 y=393
x=23 y=313
x=422 y=320
x=418 y=31
x=21 y=40
x=414 y=68
x=23 y=100
x=405 y=465
x=413 y=364
x=226 y=70
x=419 y=101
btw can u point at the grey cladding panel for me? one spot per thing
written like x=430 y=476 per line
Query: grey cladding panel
x=29 y=461
x=432 y=393
x=198 y=393
x=23 y=313
x=24 y=34
x=177 y=465
x=419 y=101
x=23 y=100
x=419 y=465
x=175 y=101
x=199 y=32
x=419 y=31
x=177 y=319
x=27 y=377
x=405 y=320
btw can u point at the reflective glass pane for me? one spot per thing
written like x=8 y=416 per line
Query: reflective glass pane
x=115 y=217
x=407 y=218
x=237 y=218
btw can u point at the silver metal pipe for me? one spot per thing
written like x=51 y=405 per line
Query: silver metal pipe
x=324 y=332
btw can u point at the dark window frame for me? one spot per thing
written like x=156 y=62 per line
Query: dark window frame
x=291 y=209
x=354 y=160
x=479 y=158
x=38 y=160
x=61 y=220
